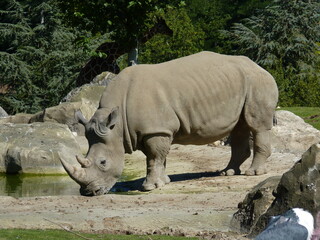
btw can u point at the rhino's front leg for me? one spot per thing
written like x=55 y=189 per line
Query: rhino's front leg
x=261 y=151
x=156 y=148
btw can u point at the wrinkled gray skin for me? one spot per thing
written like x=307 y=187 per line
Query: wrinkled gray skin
x=196 y=99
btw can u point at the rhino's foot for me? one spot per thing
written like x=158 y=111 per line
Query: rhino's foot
x=167 y=179
x=230 y=172
x=258 y=171
x=149 y=185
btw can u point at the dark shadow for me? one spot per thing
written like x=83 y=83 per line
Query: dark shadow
x=12 y=165
x=122 y=187
x=135 y=185
x=191 y=176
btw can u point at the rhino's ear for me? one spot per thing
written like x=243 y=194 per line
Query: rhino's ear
x=112 y=118
x=103 y=127
x=80 y=118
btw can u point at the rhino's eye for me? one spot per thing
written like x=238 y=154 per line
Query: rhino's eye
x=103 y=164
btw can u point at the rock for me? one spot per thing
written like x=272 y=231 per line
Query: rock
x=3 y=113
x=299 y=187
x=103 y=78
x=256 y=203
x=87 y=93
x=217 y=143
x=64 y=113
x=33 y=148
x=92 y=91
x=293 y=134
x=18 y=118
x=85 y=98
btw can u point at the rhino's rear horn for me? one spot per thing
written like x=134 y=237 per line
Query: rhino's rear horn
x=84 y=162
x=80 y=118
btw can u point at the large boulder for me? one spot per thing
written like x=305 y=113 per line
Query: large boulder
x=103 y=78
x=292 y=134
x=64 y=113
x=87 y=93
x=85 y=98
x=92 y=91
x=299 y=187
x=18 y=118
x=255 y=204
x=33 y=148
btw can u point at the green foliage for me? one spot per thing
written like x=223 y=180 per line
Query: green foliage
x=310 y=115
x=209 y=16
x=125 y=20
x=186 y=39
x=246 y=8
x=283 y=39
x=39 y=59
x=212 y=16
x=58 y=234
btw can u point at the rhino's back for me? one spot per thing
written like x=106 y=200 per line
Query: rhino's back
x=195 y=99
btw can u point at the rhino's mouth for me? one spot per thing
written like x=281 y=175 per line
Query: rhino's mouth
x=94 y=192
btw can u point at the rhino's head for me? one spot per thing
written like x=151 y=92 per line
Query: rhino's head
x=103 y=165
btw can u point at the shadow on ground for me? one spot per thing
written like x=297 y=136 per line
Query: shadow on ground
x=135 y=185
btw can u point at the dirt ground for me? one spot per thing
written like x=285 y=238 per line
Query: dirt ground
x=197 y=202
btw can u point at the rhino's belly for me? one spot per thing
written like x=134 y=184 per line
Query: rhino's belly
x=195 y=139
x=204 y=134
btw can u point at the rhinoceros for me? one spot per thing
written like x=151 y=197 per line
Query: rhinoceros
x=197 y=99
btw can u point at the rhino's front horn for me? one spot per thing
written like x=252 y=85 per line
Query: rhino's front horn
x=77 y=174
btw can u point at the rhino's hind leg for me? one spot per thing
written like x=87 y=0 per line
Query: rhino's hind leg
x=240 y=149
x=261 y=151
x=156 y=148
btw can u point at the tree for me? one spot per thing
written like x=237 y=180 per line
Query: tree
x=125 y=20
x=108 y=54
x=283 y=38
x=186 y=39
x=38 y=58
x=209 y=16
x=212 y=16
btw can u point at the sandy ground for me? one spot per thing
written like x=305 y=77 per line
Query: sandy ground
x=197 y=202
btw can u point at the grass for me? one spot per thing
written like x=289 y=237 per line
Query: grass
x=310 y=115
x=10 y=234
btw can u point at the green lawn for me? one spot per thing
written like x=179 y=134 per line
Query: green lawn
x=10 y=234
x=310 y=115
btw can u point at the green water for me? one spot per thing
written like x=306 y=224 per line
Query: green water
x=23 y=185
x=29 y=186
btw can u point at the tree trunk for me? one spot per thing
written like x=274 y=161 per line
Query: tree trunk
x=133 y=56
